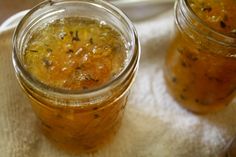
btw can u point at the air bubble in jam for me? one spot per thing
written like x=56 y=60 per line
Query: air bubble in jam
x=102 y=23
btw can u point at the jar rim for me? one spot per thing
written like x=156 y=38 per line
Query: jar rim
x=188 y=13
x=41 y=87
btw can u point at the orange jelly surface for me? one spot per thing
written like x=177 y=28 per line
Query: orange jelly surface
x=201 y=74
x=75 y=53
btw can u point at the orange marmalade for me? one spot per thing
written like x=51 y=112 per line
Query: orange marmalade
x=77 y=53
x=200 y=67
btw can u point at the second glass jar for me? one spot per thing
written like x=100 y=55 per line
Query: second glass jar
x=200 y=64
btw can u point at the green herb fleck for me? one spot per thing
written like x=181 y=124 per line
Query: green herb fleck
x=212 y=78
x=49 y=50
x=96 y=116
x=182 y=97
x=183 y=64
x=91 y=40
x=174 y=79
x=196 y=100
x=84 y=87
x=206 y=9
x=185 y=89
x=47 y=63
x=192 y=57
x=74 y=36
x=46 y=125
x=70 y=51
x=33 y=50
x=89 y=78
x=78 y=68
x=71 y=33
x=222 y=24
x=95 y=108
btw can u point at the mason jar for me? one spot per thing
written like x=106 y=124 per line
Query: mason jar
x=77 y=120
x=200 y=65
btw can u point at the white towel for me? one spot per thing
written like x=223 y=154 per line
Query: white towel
x=154 y=125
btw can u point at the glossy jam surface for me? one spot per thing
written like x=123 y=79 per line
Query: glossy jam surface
x=75 y=53
x=201 y=74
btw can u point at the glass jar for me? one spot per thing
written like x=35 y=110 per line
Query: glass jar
x=84 y=120
x=200 y=63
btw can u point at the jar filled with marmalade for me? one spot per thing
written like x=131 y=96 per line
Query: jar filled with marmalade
x=200 y=66
x=76 y=61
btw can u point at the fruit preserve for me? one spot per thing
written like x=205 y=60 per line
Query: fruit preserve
x=76 y=63
x=200 y=63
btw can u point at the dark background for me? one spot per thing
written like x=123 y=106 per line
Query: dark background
x=10 y=7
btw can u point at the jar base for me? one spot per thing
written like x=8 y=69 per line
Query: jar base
x=192 y=106
x=75 y=147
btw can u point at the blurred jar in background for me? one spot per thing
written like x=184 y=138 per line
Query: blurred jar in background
x=200 y=66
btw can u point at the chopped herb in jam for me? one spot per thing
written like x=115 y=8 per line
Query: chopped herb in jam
x=222 y=24
x=33 y=50
x=207 y=9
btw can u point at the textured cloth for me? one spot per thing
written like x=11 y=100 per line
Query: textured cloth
x=154 y=125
